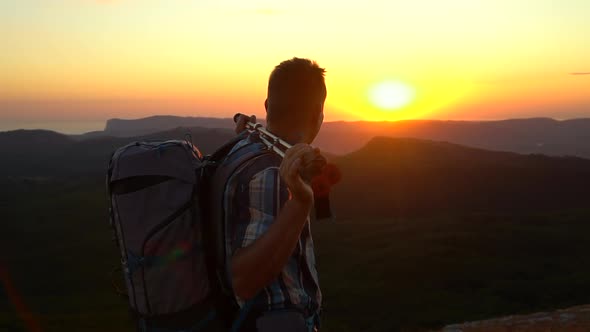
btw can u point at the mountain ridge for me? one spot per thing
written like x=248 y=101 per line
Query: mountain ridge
x=26 y=152
x=412 y=177
x=134 y=127
x=522 y=135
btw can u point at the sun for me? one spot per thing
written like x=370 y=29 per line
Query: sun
x=391 y=95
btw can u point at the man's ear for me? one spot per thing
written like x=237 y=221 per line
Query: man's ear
x=266 y=105
x=319 y=112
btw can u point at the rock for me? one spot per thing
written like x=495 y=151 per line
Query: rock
x=575 y=319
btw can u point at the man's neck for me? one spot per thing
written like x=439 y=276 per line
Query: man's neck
x=287 y=133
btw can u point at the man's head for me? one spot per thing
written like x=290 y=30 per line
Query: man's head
x=295 y=100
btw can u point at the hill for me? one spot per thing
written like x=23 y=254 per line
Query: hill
x=22 y=138
x=45 y=153
x=31 y=152
x=400 y=177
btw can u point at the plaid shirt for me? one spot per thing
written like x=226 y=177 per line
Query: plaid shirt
x=253 y=199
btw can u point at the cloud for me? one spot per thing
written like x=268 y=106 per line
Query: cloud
x=580 y=73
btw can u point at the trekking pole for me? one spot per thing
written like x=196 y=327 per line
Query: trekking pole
x=319 y=173
x=272 y=142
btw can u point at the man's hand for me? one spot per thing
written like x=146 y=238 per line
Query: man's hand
x=295 y=159
x=241 y=122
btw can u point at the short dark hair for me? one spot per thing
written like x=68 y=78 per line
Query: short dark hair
x=294 y=87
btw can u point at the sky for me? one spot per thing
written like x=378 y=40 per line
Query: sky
x=69 y=65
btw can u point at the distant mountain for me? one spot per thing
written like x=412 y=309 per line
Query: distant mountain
x=153 y=124
x=408 y=177
x=45 y=153
x=540 y=135
x=536 y=135
x=88 y=135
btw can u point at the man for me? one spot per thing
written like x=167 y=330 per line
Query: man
x=270 y=248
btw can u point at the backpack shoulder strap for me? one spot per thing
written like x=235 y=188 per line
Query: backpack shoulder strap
x=219 y=182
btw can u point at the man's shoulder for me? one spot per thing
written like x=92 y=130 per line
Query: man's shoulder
x=265 y=164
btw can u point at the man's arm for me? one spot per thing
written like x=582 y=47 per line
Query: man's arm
x=257 y=265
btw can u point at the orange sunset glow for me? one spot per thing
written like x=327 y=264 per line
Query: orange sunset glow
x=69 y=65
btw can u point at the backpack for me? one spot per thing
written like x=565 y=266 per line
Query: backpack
x=166 y=213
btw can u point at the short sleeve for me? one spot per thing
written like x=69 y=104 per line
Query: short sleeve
x=260 y=202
